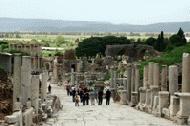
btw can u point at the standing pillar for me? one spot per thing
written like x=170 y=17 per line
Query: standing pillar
x=156 y=75
x=132 y=78
x=129 y=74
x=184 y=110
x=137 y=78
x=115 y=79
x=112 y=81
x=145 y=77
x=26 y=79
x=55 y=71
x=35 y=92
x=164 y=77
x=143 y=89
x=156 y=83
x=186 y=73
x=17 y=77
x=150 y=73
x=135 y=85
x=173 y=79
x=44 y=84
x=72 y=77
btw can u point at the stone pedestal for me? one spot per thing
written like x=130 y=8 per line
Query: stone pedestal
x=134 y=99
x=155 y=108
x=27 y=117
x=123 y=97
x=184 y=109
x=142 y=99
x=15 y=119
x=154 y=92
x=174 y=106
x=163 y=101
x=148 y=99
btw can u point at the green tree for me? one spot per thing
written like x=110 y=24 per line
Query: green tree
x=97 y=45
x=150 y=41
x=178 y=39
x=160 y=44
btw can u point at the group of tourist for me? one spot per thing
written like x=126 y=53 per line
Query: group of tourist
x=84 y=95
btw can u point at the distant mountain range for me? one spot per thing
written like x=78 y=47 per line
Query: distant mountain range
x=46 y=25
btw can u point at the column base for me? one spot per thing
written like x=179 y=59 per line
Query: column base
x=184 y=110
x=134 y=99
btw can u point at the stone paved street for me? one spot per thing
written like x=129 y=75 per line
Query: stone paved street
x=113 y=115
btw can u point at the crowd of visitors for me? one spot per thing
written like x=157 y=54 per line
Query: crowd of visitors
x=85 y=95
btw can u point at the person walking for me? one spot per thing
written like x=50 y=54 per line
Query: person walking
x=92 y=97
x=77 y=99
x=73 y=94
x=68 y=90
x=87 y=98
x=100 y=97
x=49 y=88
x=81 y=94
x=108 y=95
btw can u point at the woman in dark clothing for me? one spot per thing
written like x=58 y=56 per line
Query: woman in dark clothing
x=108 y=95
x=49 y=88
x=100 y=97
x=87 y=98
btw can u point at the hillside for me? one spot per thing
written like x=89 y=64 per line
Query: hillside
x=45 y=25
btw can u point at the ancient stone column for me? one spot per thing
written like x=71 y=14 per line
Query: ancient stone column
x=184 y=110
x=129 y=73
x=164 y=77
x=72 y=77
x=125 y=83
x=26 y=79
x=145 y=77
x=186 y=73
x=44 y=85
x=137 y=78
x=111 y=81
x=142 y=90
x=115 y=79
x=150 y=73
x=156 y=75
x=173 y=79
x=17 y=77
x=35 y=92
x=132 y=78
x=55 y=71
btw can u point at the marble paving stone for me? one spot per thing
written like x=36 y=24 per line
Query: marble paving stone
x=113 y=115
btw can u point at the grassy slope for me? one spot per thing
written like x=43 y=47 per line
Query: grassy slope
x=168 y=58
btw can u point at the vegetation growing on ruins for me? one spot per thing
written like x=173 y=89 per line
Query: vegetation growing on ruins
x=97 y=45
x=3 y=46
x=168 y=58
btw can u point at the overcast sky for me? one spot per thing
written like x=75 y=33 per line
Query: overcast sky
x=114 y=11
